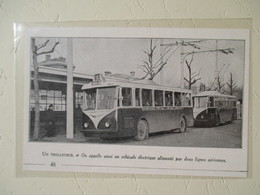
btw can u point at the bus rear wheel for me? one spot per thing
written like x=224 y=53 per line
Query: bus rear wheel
x=142 y=130
x=183 y=125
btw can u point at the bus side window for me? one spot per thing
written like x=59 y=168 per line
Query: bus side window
x=168 y=98
x=218 y=102
x=187 y=99
x=127 y=96
x=158 y=98
x=211 y=102
x=177 y=98
x=137 y=97
x=234 y=103
x=147 y=97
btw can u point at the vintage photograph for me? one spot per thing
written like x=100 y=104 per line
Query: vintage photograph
x=133 y=100
x=137 y=91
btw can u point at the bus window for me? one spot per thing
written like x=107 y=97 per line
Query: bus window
x=147 y=97
x=177 y=98
x=211 y=102
x=119 y=100
x=105 y=98
x=200 y=102
x=137 y=97
x=127 y=96
x=158 y=98
x=219 y=102
x=225 y=103
x=89 y=99
x=229 y=103
x=168 y=98
x=186 y=99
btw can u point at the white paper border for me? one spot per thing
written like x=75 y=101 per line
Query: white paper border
x=236 y=165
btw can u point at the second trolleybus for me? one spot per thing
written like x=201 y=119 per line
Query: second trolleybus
x=212 y=108
x=124 y=108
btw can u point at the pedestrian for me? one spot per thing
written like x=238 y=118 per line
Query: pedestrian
x=77 y=118
x=50 y=122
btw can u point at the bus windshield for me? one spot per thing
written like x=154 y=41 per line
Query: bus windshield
x=200 y=102
x=99 y=98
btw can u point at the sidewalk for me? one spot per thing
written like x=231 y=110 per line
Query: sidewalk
x=78 y=137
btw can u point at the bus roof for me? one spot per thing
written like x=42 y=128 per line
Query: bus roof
x=136 y=83
x=213 y=94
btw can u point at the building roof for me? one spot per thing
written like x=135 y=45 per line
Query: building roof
x=213 y=93
x=54 y=62
x=55 y=70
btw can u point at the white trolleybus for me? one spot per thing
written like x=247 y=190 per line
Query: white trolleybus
x=124 y=108
x=212 y=108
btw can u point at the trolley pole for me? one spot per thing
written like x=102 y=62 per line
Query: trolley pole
x=69 y=110
x=161 y=56
x=182 y=66
x=216 y=66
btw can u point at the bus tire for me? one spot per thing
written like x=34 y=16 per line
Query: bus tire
x=142 y=130
x=183 y=125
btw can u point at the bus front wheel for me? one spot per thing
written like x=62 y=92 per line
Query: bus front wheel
x=183 y=125
x=142 y=130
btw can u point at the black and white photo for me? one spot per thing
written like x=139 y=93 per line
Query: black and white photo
x=137 y=100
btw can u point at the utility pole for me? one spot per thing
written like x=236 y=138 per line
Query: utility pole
x=70 y=107
x=182 y=66
x=216 y=65
x=161 y=57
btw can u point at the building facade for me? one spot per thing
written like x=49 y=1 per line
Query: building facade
x=52 y=81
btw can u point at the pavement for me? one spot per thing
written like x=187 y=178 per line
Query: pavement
x=224 y=136
x=78 y=137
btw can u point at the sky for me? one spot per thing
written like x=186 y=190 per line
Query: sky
x=123 y=55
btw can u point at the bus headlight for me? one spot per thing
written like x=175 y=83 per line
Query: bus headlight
x=107 y=124
x=86 y=125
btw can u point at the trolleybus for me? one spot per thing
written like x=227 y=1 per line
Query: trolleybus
x=211 y=108
x=124 y=108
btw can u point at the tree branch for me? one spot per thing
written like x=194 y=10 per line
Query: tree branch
x=187 y=63
x=186 y=80
x=194 y=76
x=195 y=80
x=50 y=51
x=42 y=45
x=145 y=76
x=143 y=69
x=161 y=67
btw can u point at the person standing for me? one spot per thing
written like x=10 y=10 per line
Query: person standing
x=77 y=118
x=50 y=122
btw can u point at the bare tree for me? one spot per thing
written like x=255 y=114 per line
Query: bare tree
x=217 y=84
x=192 y=76
x=220 y=85
x=231 y=86
x=239 y=94
x=150 y=67
x=35 y=53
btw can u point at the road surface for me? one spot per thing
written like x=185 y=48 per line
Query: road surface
x=224 y=136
